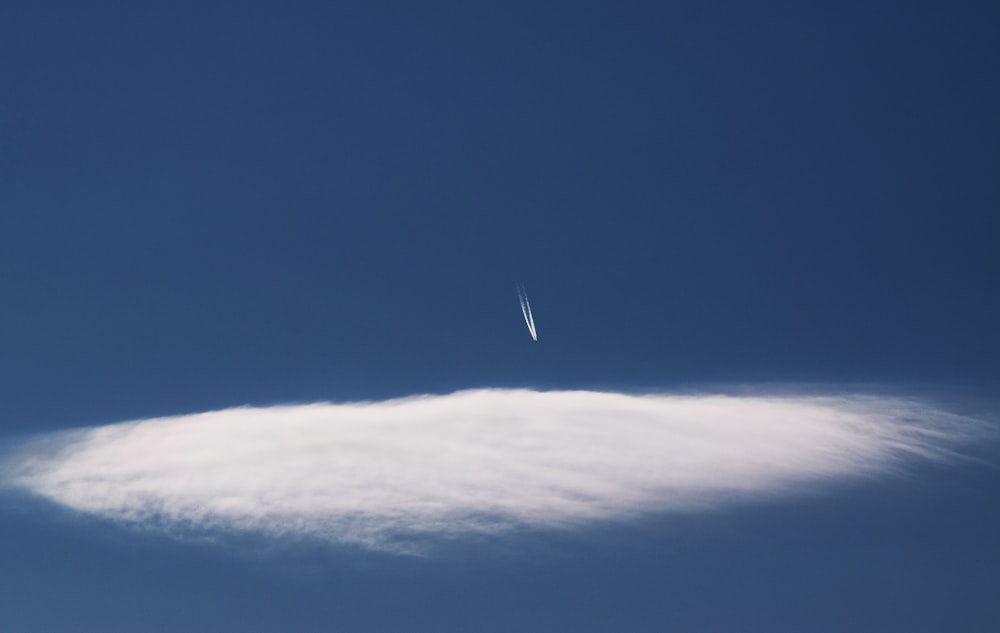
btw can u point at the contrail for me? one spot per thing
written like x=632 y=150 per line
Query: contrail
x=526 y=311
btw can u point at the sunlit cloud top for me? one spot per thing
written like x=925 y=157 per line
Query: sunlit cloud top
x=387 y=473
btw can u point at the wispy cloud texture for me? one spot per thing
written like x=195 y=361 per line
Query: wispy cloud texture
x=384 y=473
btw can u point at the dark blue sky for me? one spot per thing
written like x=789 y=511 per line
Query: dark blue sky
x=212 y=204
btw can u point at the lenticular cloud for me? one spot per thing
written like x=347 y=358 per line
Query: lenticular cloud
x=386 y=473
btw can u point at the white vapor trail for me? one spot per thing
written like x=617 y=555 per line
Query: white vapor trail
x=529 y=320
x=387 y=475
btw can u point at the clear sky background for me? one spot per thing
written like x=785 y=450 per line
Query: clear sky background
x=205 y=205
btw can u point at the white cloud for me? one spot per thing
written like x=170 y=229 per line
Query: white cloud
x=382 y=474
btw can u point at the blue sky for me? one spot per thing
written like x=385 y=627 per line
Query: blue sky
x=247 y=204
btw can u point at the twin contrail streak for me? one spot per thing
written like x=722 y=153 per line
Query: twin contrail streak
x=526 y=311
